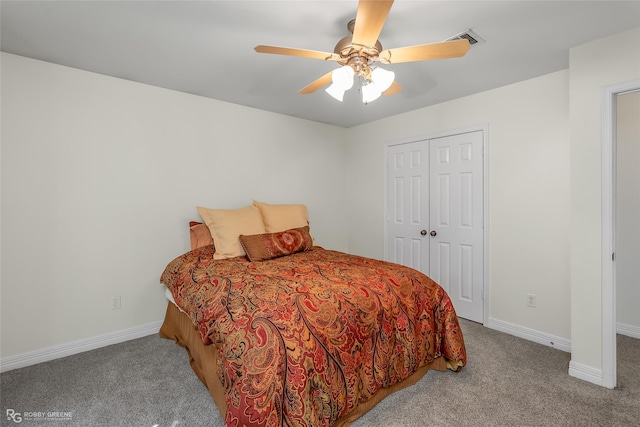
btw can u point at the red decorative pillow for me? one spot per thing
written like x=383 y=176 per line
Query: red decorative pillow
x=260 y=247
x=200 y=235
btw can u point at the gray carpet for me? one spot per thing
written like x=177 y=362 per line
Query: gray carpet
x=507 y=382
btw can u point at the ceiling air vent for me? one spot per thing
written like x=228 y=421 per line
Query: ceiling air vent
x=468 y=35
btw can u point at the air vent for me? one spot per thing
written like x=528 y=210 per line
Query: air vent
x=468 y=35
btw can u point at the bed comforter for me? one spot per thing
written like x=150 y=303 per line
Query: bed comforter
x=303 y=339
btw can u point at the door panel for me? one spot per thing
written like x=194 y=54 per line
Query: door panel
x=456 y=250
x=408 y=212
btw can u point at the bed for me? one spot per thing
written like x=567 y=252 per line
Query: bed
x=290 y=333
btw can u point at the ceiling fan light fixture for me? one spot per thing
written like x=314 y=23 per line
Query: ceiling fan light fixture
x=382 y=78
x=343 y=77
x=357 y=52
x=370 y=92
x=336 y=91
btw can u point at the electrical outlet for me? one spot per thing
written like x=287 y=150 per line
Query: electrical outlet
x=116 y=302
x=531 y=300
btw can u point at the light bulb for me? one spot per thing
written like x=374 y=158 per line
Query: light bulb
x=335 y=91
x=382 y=78
x=343 y=77
x=370 y=92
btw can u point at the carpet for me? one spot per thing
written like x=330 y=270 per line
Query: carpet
x=148 y=382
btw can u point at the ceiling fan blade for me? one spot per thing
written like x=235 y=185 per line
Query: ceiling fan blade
x=393 y=89
x=370 y=19
x=315 y=54
x=317 y=84
x=449 y=49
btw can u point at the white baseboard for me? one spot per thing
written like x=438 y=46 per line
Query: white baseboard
x=46 y=354
x=530 y=334
x=628 y=330
x=586 y=373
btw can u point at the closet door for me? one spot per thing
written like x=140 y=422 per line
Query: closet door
x=456 y=226
x=435 y=214
x=408 y=205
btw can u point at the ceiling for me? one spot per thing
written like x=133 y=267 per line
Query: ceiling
x=206 y=47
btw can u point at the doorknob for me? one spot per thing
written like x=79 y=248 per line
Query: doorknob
x=433 y=233
x=423 y=232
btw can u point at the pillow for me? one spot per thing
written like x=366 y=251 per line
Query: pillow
x=261 y=247
x=226 y=225
x=282 y=217
x=200 y=235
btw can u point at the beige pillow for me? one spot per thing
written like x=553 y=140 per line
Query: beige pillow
x=226 y=226
x=278 y=218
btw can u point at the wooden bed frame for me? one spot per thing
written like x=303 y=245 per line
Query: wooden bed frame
x=178 y=326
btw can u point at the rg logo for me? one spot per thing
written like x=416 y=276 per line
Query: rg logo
x=14 y=416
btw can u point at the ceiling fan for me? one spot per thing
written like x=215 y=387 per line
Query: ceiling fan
x=357 y=54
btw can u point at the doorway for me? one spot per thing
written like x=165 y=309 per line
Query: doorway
x=436 y=208
x=609 y=177
x=627 y=212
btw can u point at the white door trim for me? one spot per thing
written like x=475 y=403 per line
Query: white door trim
x=609 y=94
x=485 y=166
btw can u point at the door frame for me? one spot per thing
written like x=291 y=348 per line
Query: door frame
x=485 y=197
x=609 y=321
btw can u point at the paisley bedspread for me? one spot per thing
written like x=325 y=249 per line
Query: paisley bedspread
x=305 y=338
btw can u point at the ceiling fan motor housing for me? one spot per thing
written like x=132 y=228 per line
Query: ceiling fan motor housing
x=357 y=57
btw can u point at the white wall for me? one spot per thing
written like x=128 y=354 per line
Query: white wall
x=100 y=177
x=593 y=66
x=528 y=195
x=628 y=212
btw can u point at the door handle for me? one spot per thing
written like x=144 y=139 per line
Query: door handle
x=433 y=233
x=423 y=232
